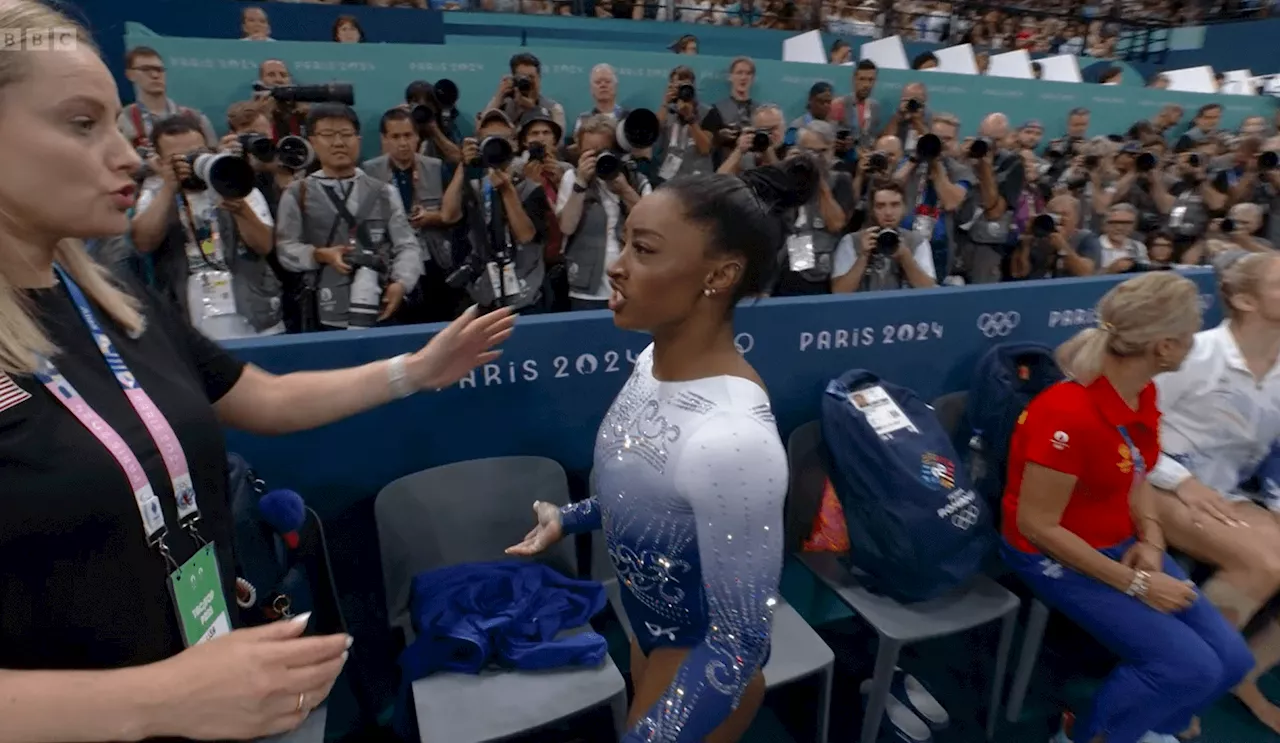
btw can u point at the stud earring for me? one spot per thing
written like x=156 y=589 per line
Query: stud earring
x=708 y=292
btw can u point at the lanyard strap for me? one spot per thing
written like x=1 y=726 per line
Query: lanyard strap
x=215 y=256
x=166 y=441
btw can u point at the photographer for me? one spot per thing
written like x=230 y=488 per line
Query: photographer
x=1241 y=227
x=761 y=145
x=1188 y=201
x=521 y=91
x=882 y=256
x=604 y=96
x=346 y=232
x=731 y=115
x=684 y=147
x=1204 y=125
x=209 y=252
x=869 y=168
x=1054 y=246
x=1120 y=253
x=1000 y=179
x=814 y=228
x=287 y=118
x=540 y=139
x=501 y=217
x=592 y=209
x=1059 y=152
x=418 y=180
x=248 y=119
x=145 y=69
x=1132 y=185
x=911 y=120
x=935 y=185
x=435 y=123
x=858 y=111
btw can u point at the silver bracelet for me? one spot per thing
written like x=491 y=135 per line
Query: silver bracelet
x=398 y=377
x=1138 y=586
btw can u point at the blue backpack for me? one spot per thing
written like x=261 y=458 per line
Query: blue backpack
x=1004 y=382
x=916 y=529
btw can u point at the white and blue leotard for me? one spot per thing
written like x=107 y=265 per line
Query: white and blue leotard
x=688 y=485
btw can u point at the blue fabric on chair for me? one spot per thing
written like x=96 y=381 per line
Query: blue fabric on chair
x=507 y=613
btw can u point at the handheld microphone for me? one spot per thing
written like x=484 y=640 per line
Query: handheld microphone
x=284 y=511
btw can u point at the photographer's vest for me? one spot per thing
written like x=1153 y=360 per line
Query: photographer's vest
x=142 y=120
x=427 y=174
x=220 y=258
x=923 y=225
x=679 y=154
x=883 y=272
x=585 y=250
x=732 y=113
x=808 y=250
x=514 y=276
x=323 y=225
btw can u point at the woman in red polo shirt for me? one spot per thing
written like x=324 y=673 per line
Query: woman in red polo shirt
x=1080 y=526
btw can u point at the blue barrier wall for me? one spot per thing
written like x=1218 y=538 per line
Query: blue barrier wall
x=558 y=374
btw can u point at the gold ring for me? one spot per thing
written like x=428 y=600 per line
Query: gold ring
x=302 y=700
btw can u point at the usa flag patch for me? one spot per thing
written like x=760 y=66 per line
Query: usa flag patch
x=11 y=395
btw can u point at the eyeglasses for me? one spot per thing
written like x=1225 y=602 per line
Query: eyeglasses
x=335 y=136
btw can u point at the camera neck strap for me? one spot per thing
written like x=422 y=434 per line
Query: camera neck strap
x=202 y=236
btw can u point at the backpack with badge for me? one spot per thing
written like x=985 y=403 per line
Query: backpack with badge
x=1005 y=380
x=916 y=528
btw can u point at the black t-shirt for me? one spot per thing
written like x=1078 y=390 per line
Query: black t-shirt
x=80 y=587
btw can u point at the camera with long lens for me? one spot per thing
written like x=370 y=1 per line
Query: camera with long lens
x=229 y=176
x=1091 y=161
x=760 y=140
x=494 y=152
x=1044 y=225
x=1145 y=162
x=423 y=114
x=366 y=289
x=637 y=130
x=686 y=93
x=1268 y=160
x=979 y=148
x=463 y=275
x=914 y=105
x=523 y=84
x=436 y=102
x=537 y=152
x=887 y=242
x=260 y=147
x=608 y=165
x=294 y=152
x=1193 y=160
x=928 y=147
x=877 y=162
x=322 y=93
x=1227 y=226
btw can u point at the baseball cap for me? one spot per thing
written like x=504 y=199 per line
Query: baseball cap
x=493 y=114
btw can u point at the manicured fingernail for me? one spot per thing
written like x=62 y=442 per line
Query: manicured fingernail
x=345 y=655
x=302 y=618
x=350 y=641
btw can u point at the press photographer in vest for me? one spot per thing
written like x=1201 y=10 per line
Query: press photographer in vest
x=762 y=144
x=208 y=241
x=814 y=228
x=144 y=67
x=501 y=218
x=287 y=117
x=539 y=139
x=521 y=91
x=418 y=181
x=684 y=147
x=1000 y=175
x=1054 y=246
x=435 y=120
x=883 y=255
x=120 y=621
x=247 y=122
x=730 y=116
x=911 y=120
x=1187 y=196
x=346 y=230
x=936 y=183
x=592 y=208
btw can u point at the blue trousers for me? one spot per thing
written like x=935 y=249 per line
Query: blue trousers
x=1171 y=665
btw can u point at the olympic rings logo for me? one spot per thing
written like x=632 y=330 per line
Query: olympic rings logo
x=965 y=518
x=998 y=324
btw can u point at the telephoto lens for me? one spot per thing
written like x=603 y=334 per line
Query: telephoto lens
x=607 y=166
x=523 y=84
x=294 y=152
x=1145 y=162
x=887 y=242
x=979 y=148
x=229 y=176
x=260 y=147
x=1044 y=225
x=686 y=93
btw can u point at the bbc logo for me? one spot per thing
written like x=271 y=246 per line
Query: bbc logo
x=56 y=39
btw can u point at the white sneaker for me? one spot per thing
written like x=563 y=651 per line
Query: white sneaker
x=906 y=725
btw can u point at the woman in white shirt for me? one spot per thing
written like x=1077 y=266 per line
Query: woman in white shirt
x=1221 y=415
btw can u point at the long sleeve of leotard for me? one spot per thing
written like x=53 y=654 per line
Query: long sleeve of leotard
x=733 y=472
x=580 y=517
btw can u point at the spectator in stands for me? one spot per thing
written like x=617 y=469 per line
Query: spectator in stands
x=858 y=111
x=339 y=214
x=687 y=44
x=814 y=228
x=1055 y=246
x=818 y=107
x=1206 y=449
x=347 y=30
x=145 y=69
x=286 y=117
x=604 y=96
x=733 y=113
x=882 y=256
x=841 y=52
x=924 y=61
x=592 y=210
x=540 y=139
x=1082 y=529
x=86 y=550
x=684 y=146
x=419 y=182
x=521 y=91
x=209 y=253
x=1159 y=82
x=254 y=25
x=934 y=189
x=1111 y=76
x=911 y=119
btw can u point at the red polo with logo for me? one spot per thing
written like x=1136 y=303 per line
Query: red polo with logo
x=1074 y=429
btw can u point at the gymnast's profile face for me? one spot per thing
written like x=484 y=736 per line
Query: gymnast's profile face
x=68 y=171
x=660 y=277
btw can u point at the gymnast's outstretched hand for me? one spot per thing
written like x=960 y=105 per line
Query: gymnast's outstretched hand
x=546 y=533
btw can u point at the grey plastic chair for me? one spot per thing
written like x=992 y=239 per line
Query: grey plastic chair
x=797 y=652
x=470 y=512
x=897 y=625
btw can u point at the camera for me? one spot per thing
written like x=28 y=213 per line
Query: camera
x=1044 y=225
x=294 y=152
x=436 y=102
x=887 y=242
x=260 y=147
x=423 y=114
x=230 y=177
x=323 y=93
x=979 y=148
x=495 y=152
x=608 y=164
x=1077 y=181
x=637 y=130
x=1057 y=150
x=523 y=84
x=1268 y=160
x=447 y=94
x=1091 y=161
x=760 y=140
x=1227 y=225
x=1193 y=160
x=1145 y=162
x=844 y=132
x=928 y=147
x=877 y=161
x=537 y=152
x=914 y=105
x=686 y=93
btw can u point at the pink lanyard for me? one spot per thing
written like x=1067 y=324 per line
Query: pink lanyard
x=166 y=441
